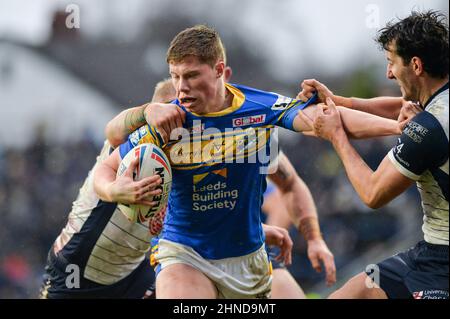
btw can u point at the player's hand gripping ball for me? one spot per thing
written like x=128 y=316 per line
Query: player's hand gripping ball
x=152 y=161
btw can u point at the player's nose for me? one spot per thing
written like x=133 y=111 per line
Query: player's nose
x=183 y=86
x=389 y=73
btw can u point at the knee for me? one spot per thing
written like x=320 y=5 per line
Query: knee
x=359 y=287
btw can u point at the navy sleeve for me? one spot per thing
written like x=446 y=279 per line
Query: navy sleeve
x=423 y=145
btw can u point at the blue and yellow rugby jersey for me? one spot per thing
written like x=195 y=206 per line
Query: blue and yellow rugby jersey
x=217 y=185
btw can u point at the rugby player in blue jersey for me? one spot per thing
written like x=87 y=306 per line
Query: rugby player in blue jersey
x=289 y=203
x=417 y=52
x=212 y=244
x=99 y=253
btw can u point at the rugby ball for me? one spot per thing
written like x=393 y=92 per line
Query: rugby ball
x=152 y=161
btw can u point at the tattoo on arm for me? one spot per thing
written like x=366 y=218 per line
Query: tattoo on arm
x=310 y=229
x=134 y=120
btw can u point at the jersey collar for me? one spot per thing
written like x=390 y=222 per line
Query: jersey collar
x=442 y=89
x=238 y=101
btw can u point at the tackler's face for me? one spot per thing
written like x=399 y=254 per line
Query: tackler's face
x=196 y=84
x=403 y=73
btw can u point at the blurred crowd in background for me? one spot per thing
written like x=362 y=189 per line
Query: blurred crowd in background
x=40 y=172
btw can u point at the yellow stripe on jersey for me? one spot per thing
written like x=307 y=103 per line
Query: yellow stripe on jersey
x=238 y=101
x=291 y=105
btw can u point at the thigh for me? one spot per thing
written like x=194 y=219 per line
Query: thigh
x=284 y=285
x=359 y=287
x=181 y=281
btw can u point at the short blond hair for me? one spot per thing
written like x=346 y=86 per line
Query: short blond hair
x=200 y=41
x=164 y=92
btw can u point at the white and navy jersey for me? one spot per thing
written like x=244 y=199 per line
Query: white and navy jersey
x=99 y=238
x=421 y=154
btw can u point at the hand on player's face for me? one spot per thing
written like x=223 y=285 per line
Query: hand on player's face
x=318 y=253
x=277 y=236
x=327 y=120
x=309 y=87
x=128 y=191
x=167 y=119
x=408 y=111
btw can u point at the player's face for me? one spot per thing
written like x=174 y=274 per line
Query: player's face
x=196 y=84
x=403 y=74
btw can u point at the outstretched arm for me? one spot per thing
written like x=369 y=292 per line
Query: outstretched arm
x=302 y=210
x=387 y=107
x=357 y=124
x=394 y=108
x=374 y=188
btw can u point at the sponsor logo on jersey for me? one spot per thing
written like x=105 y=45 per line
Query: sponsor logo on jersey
x=431 y=294
x=249 y=120
x=282 y=103
x=415 y=131
x=418 y=295
x=134 y=138
x=143 y=131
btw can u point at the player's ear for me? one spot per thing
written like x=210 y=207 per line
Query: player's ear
x=417 y=65
x=228 y=73
x=220 y=69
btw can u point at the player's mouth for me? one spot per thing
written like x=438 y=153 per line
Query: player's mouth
x=187 y=101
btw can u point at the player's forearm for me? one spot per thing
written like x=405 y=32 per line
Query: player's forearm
x=359 y=125
x=118 y=129
x=299 y=201
x=387 y=107
x=359 y=174
x=303 y=212
x=104 y=176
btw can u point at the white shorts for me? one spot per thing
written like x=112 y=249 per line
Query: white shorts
x=244 y=277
